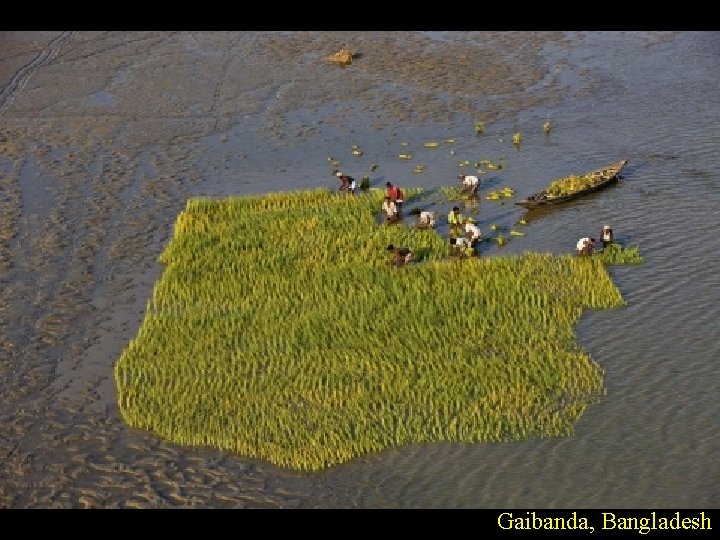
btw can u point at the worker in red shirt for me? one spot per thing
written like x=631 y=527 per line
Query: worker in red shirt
x=396 y=196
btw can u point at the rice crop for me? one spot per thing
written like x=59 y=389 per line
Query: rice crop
x=279 y=330
x=571 y=184
x=618 y=254
x=452 y=193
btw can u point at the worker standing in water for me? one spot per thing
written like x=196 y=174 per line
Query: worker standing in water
x=396 y=196
x=455 y=220
x=469 y=184
x=606 y=236
x=390 y=210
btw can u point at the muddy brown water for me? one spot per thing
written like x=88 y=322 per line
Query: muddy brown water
x=105 y=135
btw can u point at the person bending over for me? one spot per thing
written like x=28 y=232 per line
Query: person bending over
x=401 y=255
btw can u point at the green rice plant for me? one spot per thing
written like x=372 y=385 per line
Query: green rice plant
x=617 y=254
x=452 y=193
x=279 y=330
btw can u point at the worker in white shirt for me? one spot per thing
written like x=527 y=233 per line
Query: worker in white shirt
x=426 y=220
x=469 y=184
x=460 y=246
x=390 y=210
x=472 y=233
x=585 y=246
x=351 y=186
x=606 y=236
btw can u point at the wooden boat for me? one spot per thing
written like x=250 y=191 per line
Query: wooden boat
x=599 y=179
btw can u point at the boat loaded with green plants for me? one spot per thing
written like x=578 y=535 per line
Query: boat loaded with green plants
x=574 y=186
x=310 y=349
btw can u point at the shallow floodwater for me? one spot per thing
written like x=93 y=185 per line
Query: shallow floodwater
x=95 y=214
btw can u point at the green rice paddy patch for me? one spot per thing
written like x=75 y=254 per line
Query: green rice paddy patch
x=279 y=330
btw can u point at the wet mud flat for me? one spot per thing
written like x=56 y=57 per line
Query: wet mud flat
x=103 y=138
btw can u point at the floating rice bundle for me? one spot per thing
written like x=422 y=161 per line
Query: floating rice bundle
x=431 y=144
x=419 y=168
x=405 y=156
x=208 y=366
x=454 y=193
x=500 y=194
x=479 y=127
x=513 y=232
x=517 y=138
